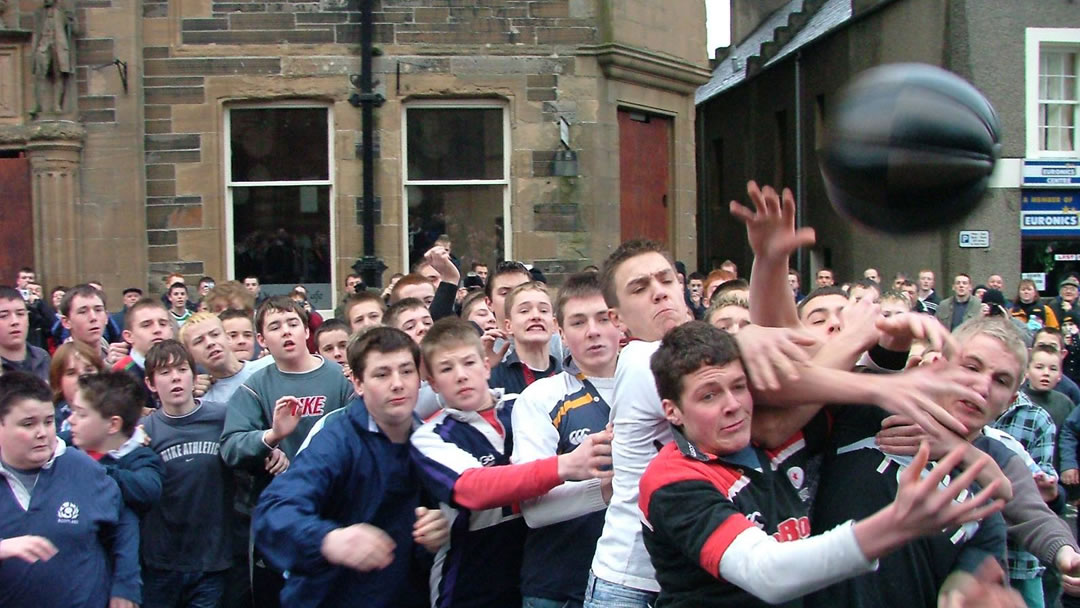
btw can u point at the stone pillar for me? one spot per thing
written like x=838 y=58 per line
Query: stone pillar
x=54 y=149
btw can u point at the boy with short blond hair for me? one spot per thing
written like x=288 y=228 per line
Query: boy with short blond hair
x=104 y=419
x=464 y=457
x=186 y=548
x=530 y=323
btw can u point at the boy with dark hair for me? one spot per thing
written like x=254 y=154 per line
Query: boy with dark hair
x=178 y=297
x=276 y=407
x=348 y=520
x=104 y=419
x=78 y=545
x=240 y=330
x=331 y=341
x=552 y=415
x=724 y=528
x=1042 y=375
x=361 y=310
x=530 y=324
x=410 y=316
x=83 y=318
x=186 y=548
x=146 y=323
x=1053 y=338
x=16 y=354
x=464 y=457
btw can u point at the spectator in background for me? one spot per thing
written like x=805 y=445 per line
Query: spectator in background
x=872 y=274
x=70 y=362
x=961 y=306
x=480 y=270
x=16 y=354
x=252 y=285
x=353 y=285
x=1068 y=290
x=131 y=296
x=825 y=278
x=926 y=286
x=1030 y=310
x=795 y=283
x=315 y=320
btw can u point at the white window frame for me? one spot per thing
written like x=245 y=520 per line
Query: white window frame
x=504 y=182
x=1035 y=39
x=230 y=249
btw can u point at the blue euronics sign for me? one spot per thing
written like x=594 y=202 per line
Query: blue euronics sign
x=1050 y=213
x=1051 y=173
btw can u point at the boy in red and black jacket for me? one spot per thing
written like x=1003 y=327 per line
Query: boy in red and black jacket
x=723 y=520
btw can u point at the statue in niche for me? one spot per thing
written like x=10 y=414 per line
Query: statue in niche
x=53 y=46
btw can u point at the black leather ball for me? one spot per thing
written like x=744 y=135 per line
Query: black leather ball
x=909 y=147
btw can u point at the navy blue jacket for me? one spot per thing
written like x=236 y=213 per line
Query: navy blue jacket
x=138 y=471
x=36 y=362
x=349 y=473
x=79 y=509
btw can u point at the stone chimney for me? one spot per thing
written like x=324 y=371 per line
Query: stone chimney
x=747 y=15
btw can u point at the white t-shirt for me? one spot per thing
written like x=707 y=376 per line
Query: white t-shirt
x=640 y=431
x=221 y=390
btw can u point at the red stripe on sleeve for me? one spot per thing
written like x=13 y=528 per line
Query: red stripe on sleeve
x=720 y=540
x=489 y=487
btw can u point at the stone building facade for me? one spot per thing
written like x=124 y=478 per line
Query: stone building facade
x=216 y=136
x=764 y=112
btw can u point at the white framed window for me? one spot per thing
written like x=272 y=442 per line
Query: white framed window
x=279 y=178
x=1052 y=57
x=456 y=179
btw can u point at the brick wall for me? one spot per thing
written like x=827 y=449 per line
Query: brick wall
x=397 y=22
x=471 y=38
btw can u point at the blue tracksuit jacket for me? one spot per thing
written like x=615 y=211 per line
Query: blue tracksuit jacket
x=79 y=509
x=349 y=473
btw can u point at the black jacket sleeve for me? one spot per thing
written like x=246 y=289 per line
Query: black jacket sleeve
x=443 y=304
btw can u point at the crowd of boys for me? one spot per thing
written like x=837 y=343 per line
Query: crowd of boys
x=637 y=437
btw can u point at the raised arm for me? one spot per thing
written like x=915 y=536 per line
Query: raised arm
x=770 y=228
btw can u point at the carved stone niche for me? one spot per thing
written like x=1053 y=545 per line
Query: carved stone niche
x=13 y=43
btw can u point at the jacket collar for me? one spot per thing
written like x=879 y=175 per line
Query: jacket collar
x=134 y=442
x=745 y=458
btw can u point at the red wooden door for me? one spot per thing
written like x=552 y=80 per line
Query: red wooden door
x=16 y=218
x=644 y=175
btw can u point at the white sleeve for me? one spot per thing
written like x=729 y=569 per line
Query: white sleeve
x=535 y=438
x=639 y=423
x=779 y=572
x=427 y=403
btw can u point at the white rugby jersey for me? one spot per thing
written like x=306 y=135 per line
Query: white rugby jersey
x=640 y=431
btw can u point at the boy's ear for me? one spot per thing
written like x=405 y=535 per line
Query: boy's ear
x=116 y=424
x=672 y=412
x=506 y=328
x=259 y=339
x=65 y=322
x=613 y=313
x=358 y=386
x=126 y=335
x=150 y=384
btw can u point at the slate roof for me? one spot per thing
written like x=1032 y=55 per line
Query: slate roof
x=732 y=70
